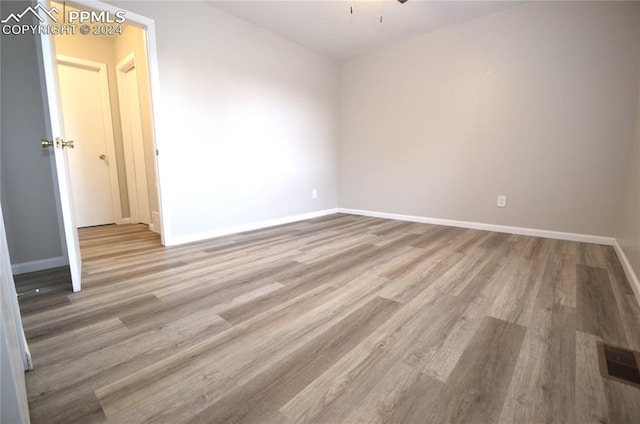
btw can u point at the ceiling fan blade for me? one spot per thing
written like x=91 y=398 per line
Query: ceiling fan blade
x=402 y=1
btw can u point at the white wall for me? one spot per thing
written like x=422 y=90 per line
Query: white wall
x=628 y=223
x=533 y=102
x=28 y=200
x=247 y=125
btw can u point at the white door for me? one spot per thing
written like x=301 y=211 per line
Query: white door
x=132 y=139
x=86 y=110
x=55 y=134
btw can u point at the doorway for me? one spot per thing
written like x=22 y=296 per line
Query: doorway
x=58 y=145
x=106 y=109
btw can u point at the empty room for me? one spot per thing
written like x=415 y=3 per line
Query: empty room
x=320 y=211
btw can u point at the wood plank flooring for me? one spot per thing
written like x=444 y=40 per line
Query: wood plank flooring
x=340 y=319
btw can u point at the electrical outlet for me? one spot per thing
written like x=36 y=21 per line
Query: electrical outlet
x=502 y=201
x=314 y=194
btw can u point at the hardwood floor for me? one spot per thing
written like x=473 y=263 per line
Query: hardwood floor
x=340 y=319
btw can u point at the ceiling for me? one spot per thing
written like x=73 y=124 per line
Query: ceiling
x=328 y=26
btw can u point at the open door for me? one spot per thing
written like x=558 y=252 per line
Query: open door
x=57 y=146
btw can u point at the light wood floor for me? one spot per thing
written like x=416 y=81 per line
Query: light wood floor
x=341 y=319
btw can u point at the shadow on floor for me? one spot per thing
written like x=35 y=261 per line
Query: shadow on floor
x=42 y=289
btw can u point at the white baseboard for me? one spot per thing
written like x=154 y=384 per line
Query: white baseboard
x=628 y=270
x=584 y=238
x=189 y=238
x=38 y=265
x=125 y=221
x=155 y=222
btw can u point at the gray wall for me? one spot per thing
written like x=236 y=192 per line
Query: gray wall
x=535 y=102
x=248 y=121
x=628 y=229
x=28 y=201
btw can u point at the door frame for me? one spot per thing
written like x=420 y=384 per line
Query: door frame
x=101 y=68
x=151 y=49
x=133 y=162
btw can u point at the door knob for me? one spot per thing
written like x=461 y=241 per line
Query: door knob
x=68 y=144
x=57 y=143
x=103 y=156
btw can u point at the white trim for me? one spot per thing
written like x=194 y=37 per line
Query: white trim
x=154 y=82
x=133 y=141
x=584 y=238
x=155 y=222
x=101 y=68
x=188 y=238
x=38 y=265
x=634 y=282
x=126 y=221
x=123 y=66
